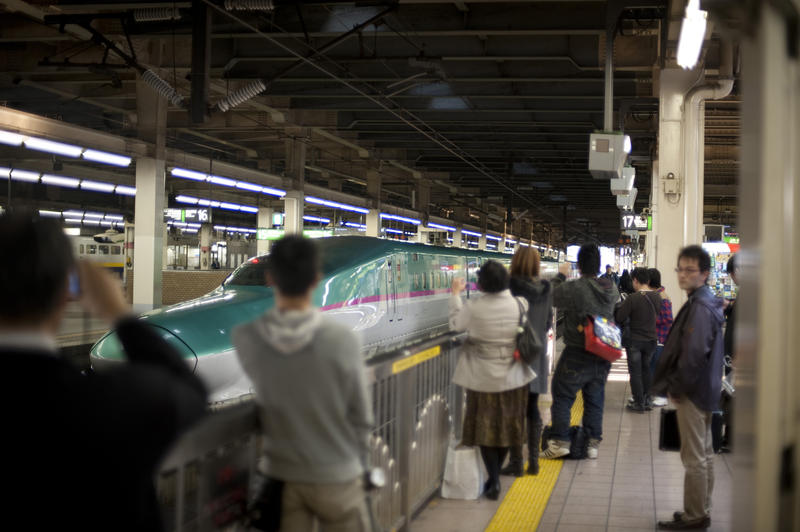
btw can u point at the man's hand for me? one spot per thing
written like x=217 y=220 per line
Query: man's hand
x=564 y=268
x=458 y=286
x=101 y=293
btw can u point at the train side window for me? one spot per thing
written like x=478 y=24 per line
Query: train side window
x=91 y=249
x=116 y=250
x=102 y=250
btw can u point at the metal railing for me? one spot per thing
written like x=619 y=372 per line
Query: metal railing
x=207 y=479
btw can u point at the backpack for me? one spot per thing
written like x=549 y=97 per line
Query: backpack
x=578 y=441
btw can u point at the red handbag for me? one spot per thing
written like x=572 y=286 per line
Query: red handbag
x=602 y=338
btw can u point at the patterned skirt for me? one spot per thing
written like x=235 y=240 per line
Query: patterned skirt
x=495 y=419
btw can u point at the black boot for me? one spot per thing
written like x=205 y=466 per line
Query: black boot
x=514 y=467
x=491 y=459
x=534 y=437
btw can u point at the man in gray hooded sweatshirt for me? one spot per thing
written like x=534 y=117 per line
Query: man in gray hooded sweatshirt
x=309 y=380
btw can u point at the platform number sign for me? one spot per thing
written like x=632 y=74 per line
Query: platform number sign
x=636 y=222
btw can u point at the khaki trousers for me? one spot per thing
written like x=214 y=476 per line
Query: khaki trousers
x=697 y=455
x=339 y=507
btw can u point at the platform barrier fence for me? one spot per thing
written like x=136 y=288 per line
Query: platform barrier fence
x=208 y=478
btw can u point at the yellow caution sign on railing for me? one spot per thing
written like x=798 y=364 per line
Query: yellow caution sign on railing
x=417 y=358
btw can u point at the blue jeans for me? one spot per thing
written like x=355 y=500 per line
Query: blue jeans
x=640 y=353
x=578 y=370
x=654 y=360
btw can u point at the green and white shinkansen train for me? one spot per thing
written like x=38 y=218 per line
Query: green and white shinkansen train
x=393 y=292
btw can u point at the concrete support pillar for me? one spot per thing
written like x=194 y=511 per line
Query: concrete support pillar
x=766 y=429
x=422 y=235
x=296 y=156
x=670 y=210
x=457 y=237
x=293 y=212
x=149 y=234
x=374 y=188
x=484 y=228
x=423 y=197
x=205 y=247
x=264 y=218
x=501 y=244
x=482 y=242
x=373 y=223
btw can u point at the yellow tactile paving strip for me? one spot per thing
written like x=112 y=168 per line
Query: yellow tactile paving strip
x=523 y=506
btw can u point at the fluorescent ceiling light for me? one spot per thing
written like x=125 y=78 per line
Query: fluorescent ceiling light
x=12 y=139
x=60 y=181
x=188 y=174
x=442 y=227
x=492 y=237
x=224 y=181
x=72 y=231
x=97 y=215
x=316 y=219
x=97 y=186
x=126 y=191
x=247 y=208
x=118 y=217
x=400 y=218
x=5 y=172
x=509 y=241
x=68 y=150
x=106 y=158
x=72 y=221
x=334 y=204
x=186 y=199
x=249 y=186
x=357 y=226
x=693 y=31
x=50 y=214
x=229 y=206
x=24 y=175
x=626 y=144
x=524 y=244
x=273 y=191
x=390 y=230
x=471 y=233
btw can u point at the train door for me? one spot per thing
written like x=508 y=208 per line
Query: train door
x=402 y=285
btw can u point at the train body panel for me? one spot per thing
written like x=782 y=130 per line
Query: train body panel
x=393 y=293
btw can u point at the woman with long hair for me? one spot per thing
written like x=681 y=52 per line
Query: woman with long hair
x=525 y=282
x=496 y=383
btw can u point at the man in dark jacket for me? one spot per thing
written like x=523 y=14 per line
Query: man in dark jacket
x=640 y=308
x=80 y=452
x=690 y=371
x=578 y=369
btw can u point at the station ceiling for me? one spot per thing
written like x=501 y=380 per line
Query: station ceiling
x=490 y=103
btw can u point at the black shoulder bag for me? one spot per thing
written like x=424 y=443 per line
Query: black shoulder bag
x=529 y=345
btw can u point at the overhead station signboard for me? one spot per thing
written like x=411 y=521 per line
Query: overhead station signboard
x=636 y=222
x=188 y=215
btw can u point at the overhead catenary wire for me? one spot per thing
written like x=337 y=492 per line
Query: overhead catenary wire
x=411 y=119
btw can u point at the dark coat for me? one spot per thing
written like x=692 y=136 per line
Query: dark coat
x=540 y=315
x=691 y=363
x=580 y=298
x=80 y=452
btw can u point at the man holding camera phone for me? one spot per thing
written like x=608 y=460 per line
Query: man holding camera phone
x=80 y=451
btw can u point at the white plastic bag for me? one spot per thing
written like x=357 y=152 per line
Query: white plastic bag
x=464 y=472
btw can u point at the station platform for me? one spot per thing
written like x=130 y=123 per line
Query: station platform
x=630 y=486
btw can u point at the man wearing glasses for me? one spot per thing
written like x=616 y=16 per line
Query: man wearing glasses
x=690 y=372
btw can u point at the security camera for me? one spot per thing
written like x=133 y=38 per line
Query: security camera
x=110 y=237
x=646 y=211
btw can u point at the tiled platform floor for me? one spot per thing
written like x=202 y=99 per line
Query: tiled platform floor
x=627 y=489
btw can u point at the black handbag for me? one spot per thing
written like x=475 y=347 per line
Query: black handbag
x=529 y=345
x=264 y=513
x=669 y=438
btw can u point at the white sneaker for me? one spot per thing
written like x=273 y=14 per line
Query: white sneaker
x=592 y=450
x=556 y=449
x=659 y=401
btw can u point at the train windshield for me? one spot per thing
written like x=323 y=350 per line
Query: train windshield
x=251 y=273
